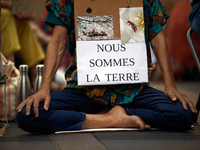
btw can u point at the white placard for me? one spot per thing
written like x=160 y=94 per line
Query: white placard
x=111 y=62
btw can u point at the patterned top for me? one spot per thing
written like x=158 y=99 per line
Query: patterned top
x=193 y=2
x=155 y=18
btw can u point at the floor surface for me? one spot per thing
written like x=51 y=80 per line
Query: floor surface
x=16 y=139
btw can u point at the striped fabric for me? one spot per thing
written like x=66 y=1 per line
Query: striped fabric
x=8 y=91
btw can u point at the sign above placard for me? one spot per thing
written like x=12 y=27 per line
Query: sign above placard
x=103 y=8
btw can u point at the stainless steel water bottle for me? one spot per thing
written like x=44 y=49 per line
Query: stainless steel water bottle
x=24 y=86
x=38 y=79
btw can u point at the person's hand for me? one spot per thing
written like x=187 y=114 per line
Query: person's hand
x=22 y=15
x=175 y=95
x=34 y=100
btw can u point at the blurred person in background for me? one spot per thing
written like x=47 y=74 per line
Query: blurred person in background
x=18 y=37
x=194 y=16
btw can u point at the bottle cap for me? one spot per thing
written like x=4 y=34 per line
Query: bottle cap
x=23 y=68
x=39 y=68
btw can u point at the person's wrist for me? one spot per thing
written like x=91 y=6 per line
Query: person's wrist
x=44 y=88
x=169 y=82
x=170 y=86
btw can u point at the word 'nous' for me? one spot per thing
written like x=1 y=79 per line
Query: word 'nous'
x=111 y=47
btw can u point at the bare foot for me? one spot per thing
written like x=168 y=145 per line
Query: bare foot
x=122 y=120
x=116 y=118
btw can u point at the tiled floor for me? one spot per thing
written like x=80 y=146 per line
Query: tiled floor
x=15 y=139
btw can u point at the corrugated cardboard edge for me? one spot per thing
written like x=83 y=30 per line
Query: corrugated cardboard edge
x=101 y=130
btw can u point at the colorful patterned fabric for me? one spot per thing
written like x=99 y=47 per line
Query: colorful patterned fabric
x=155 y=18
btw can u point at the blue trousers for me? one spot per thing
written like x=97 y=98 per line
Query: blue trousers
x=194 y=18
x=68 y=109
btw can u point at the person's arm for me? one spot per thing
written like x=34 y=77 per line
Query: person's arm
x=54 y=54
x=159 y=46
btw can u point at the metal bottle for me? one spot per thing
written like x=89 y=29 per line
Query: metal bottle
x=38 y=79
x=24 y=86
